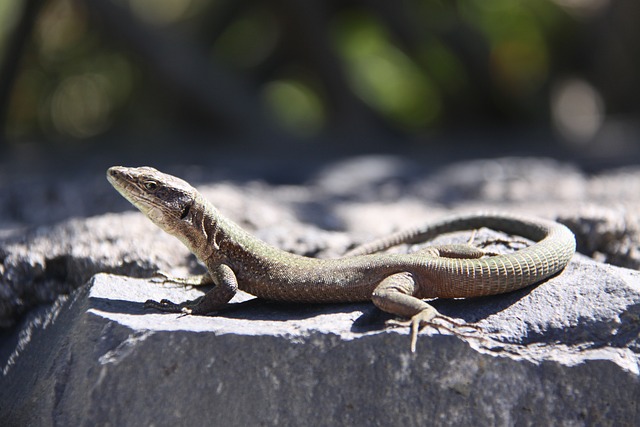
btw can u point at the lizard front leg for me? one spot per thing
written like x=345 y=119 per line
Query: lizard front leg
x=226 y=286
x=394 y=295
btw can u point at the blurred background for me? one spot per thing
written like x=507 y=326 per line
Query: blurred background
x=286 y=81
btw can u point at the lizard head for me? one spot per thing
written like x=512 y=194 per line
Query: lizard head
x=168 y=201
x=171 y=203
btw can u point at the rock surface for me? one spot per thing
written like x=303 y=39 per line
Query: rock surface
x=563 y=352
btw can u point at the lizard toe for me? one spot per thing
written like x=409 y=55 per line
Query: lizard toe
x=437 y=321
x=163 y=305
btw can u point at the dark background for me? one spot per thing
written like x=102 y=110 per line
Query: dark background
x=271 y=89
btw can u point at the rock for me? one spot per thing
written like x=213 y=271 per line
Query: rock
x=564 y=352
x=49 y=261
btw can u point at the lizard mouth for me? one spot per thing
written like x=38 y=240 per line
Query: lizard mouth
x=113 y=174
x=122 y=182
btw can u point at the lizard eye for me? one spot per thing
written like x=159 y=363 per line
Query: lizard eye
x=150 y=185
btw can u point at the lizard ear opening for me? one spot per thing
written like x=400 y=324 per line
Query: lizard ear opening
x=186 y=211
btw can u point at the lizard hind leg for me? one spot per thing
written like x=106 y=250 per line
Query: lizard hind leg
x=394 y=295
x=472 y=249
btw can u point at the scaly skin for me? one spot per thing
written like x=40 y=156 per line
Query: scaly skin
x=396 y=283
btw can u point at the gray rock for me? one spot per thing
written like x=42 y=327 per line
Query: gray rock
x=563 y=352
x=45 y=262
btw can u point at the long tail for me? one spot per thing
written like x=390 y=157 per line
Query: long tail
x=531 y=228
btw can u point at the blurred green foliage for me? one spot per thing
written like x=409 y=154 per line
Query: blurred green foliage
x=384 y=76
x=424 y=65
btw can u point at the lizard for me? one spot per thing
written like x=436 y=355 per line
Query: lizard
x=395 y=283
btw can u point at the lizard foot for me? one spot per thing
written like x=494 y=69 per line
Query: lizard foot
x=428 y=317
x=171 y=307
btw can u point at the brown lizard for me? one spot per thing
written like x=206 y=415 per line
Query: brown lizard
x=396 y=283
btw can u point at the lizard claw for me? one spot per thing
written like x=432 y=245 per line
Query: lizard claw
x=160 y=277
x=163 y=278
x=186 y=311
x=188 y=281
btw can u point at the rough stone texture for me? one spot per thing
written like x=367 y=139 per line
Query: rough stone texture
x=44 y=262
x=563 y=352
